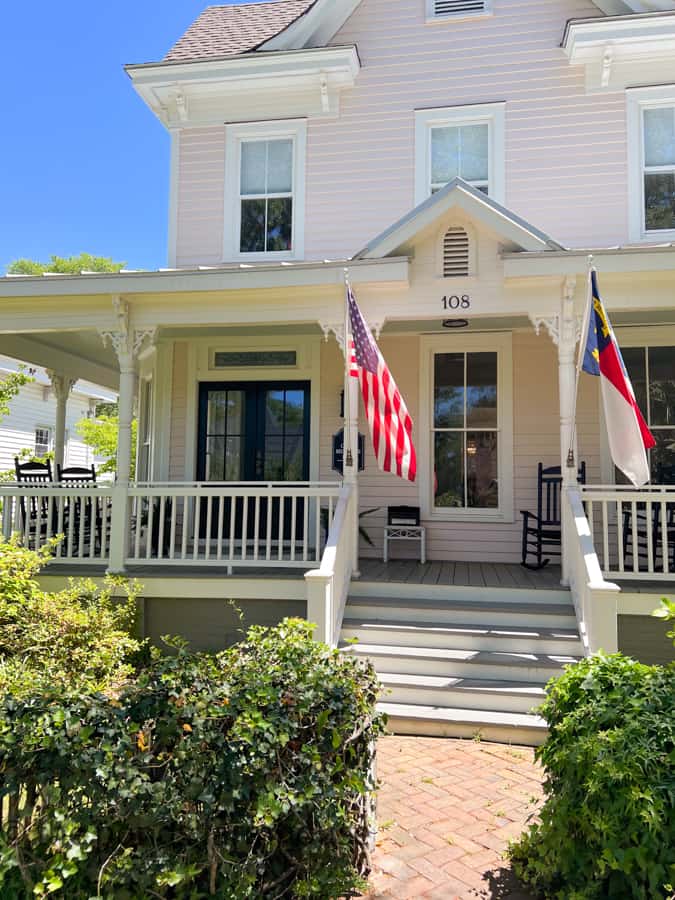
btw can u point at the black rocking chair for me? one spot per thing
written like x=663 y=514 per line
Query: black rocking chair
x=542 y=531
x=35 y=510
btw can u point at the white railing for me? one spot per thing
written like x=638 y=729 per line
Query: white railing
x=238 y=524
x=172 y=524
x=595 y=600
x=79 y=516
x=633 y=530
x=328 y=586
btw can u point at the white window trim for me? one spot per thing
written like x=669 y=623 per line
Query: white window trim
x=493 y=114
x=296 y=130
x=502 y=344
x=432 y=17
x=637 y=100
x=50 y=444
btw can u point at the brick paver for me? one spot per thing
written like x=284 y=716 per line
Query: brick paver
x=446 y=812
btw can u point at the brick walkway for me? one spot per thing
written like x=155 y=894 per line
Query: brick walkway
x=446 y=811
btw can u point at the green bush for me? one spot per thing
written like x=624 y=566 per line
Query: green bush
x=607 y=827
x=241 y=775
x=77 y=637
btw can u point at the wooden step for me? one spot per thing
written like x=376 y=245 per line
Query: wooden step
x=505 y=727
x=461 y=692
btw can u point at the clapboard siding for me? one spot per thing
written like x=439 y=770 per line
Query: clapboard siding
x=200 y=202
x=35 y=406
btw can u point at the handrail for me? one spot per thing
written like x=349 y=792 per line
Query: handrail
x=594 y=598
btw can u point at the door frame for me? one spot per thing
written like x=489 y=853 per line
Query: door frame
x=252 y=424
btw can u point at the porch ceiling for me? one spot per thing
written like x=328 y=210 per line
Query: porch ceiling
x=78 y=354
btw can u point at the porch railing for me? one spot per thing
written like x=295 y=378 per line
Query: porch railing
x=198 y=523
x=328 y=586
x=633 y=530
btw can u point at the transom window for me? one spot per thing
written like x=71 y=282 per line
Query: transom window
x=465 y=431
x=652 y=371
x=266 y=196
x=658 y=125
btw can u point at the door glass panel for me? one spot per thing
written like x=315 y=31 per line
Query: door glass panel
x=662 y=385
x=635 y=361
x=481 y=469
x=284 y=436
x=663 y=456
x=224 y=436
x=449 y=390
x=449 y=469
x=481 y=390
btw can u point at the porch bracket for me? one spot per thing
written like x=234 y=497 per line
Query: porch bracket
x=336 y=328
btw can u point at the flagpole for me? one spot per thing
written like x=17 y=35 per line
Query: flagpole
x=585 y=325
x=350 y=466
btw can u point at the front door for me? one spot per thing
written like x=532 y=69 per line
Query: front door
x=254 y=431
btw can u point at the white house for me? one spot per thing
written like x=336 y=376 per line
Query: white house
x=30 y=425
x=461 y=160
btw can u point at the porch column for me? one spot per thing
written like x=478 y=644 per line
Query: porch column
x=127 y=343
x=567 y=386
x=62 y=385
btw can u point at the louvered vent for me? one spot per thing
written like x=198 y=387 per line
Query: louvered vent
x=458 y=7
x=455 y=253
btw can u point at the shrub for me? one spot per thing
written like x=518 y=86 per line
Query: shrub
x=80 y=636
x=242 y=775
x=607 y=827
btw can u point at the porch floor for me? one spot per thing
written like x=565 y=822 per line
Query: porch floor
x=461 y=574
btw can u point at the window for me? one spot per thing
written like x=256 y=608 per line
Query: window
x=652 y=371
x=145 y=432
x=466 y=428
x=453 y=9
x=651 y=163
x=264 y=184
x=465 y=142
x=43 y=441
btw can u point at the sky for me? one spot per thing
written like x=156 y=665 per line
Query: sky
x=84 y=164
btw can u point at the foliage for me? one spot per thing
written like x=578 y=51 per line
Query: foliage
x=65 y=265
x=666 y=611
x=101 y=435
x=10 y=385
x=241 y=775
x=79 y=636
x=607 y=827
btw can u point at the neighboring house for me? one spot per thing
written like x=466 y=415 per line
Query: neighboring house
x=461 y=160
x=31 y=422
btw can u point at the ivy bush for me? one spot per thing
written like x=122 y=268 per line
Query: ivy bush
x=607 y=827
x=242 y=775
x=78 y=637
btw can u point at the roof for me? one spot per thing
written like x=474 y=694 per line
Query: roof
x=459 y=193
x=228 y=30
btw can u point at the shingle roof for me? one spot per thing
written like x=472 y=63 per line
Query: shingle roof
x=227 y=30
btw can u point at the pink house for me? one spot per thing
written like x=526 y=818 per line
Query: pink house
x=460 y=159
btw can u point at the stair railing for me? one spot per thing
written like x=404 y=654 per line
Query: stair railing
x=328 y=586
x=595 y=600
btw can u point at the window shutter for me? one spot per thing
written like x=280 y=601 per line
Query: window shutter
x=455 y=253
x=458 y=7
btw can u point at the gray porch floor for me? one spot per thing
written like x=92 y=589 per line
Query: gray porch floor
x=461 y=574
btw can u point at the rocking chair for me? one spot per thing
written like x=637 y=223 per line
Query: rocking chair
x=542 y=530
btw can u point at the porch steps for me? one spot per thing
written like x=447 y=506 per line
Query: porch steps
x=462 y=661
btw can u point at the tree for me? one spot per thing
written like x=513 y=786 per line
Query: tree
x=10 y=385
x=62 y=265
x=100 y=433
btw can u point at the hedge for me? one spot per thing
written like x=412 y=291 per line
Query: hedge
x=242 y=775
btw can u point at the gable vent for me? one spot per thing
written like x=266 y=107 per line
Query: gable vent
x=455 y=253
x=459 y=7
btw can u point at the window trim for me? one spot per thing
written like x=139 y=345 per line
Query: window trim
x=492 y=114
x=235 y=135
x=50 y=444
x=432 y=17
x=637 y=100
x=502 y=344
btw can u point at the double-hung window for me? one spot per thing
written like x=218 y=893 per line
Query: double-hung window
x=651 y=163
x=43 y=441
x=460 y=142
x=468 y=431
x=264 y=186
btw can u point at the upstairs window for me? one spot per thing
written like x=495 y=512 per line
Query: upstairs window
x=460 y=142
x=264 y=191
x=659 y=168
x=457 y=9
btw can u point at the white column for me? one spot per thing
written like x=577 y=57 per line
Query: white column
x=127 y=343
x=62 y=385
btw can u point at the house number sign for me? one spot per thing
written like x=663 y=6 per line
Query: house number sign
x=456 y=301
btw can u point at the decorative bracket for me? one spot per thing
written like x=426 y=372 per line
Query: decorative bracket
x=551 y=323
x=607 y=60
x=62 y=385
x=127 y=343
x=323 y=87
x=338 y=329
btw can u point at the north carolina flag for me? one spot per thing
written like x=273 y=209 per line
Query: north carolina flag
x=629 y=436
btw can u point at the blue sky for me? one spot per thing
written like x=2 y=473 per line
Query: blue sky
x=83 y=162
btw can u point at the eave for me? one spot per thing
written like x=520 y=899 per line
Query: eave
x=315 y=28
x=648 y=258
x=302 y=83
x=615 y=49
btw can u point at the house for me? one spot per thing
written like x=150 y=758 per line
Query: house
x=30 y=426
x=460 y=160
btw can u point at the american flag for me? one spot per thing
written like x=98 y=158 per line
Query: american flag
x=388 y=417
